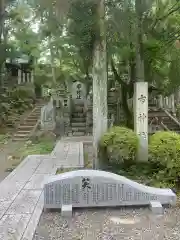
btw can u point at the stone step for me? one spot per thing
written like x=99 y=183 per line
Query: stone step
x=78 y=129
x=32 y=119
x=78 y=119
x=170 y=123
x=25 y=126
x=78 y=134
x=16 y=139
x=78 y=115
x=26 y=132
x=174 y=128
x=37 y=111
x=78 y=124
x=20 y=135
x=35 y=114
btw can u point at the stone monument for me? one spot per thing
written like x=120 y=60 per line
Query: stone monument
x=141 y=118
x=48 y=122
x=94 y=188
x=78 y=91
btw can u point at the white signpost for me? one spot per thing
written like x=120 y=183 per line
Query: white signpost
x=93 y=188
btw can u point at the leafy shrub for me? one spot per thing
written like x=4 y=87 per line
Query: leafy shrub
x=120 y=145
x=164 y=152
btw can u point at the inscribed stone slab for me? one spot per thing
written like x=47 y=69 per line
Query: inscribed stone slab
x=93 y=188
x=141 y=117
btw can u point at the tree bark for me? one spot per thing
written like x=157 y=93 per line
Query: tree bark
x=53 y=70
x=99 y=73
x=2 y=46
x=139 y=42
x=126 y=92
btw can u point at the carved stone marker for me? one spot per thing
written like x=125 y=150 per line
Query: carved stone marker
x=48 y=117
x=93 y=188
x=141 y=118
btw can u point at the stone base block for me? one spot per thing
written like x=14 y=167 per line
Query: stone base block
x=156 y=207
x=66 y=211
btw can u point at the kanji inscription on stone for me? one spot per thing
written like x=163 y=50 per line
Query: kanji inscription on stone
x=93 y=188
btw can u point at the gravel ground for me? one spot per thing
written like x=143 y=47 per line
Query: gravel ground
x=110 y=224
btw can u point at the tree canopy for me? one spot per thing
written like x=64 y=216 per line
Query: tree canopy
x=63 y=34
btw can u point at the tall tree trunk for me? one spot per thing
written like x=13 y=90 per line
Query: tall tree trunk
x=2 y=46
x=53 y=70
x=99 y=84
x=139 y=42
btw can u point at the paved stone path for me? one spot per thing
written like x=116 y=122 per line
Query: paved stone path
x=21 y=192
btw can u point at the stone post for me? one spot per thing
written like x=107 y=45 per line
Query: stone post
x=28 y=77
x=141 y=118
x=160 y=101
x=19 y=76
x=173 y=104
x=24 y=77
x=32 y=77
x=166 y=102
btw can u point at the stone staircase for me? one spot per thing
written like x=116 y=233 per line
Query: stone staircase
x=161 y=119
x=78 y=119
x=27 y=126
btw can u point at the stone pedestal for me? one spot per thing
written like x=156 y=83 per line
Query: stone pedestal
x=28 y=78
x=141 y=118
x=166 y=102
x=32 y=77
x=24 y=77
x=48 y=121
x=160 y=101
x=19 y=76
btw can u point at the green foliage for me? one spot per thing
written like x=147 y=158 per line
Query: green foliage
x=164 y=153
x=15 y=101
x=43 y=147
x=120 y=145
x=39 y=148
x=83 y=28
x=164 y=148
x=21 y=98
x=163 y=167
x=64 y=170
x=3 y=138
